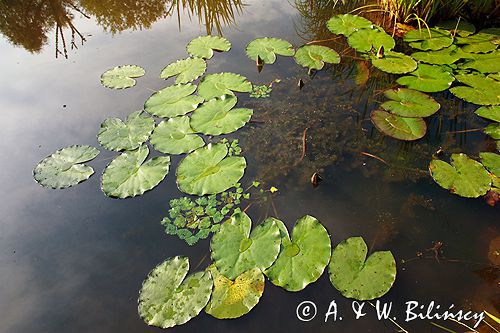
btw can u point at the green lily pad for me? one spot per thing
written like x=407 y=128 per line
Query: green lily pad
x=485 y=41
x=458 y=27
x=187 y=70
x=168 y=299
x=204 y=46
x=394 y=62
x=366 y=40
x=233 y=299
x=427 y=78
x=401 y=128
x=484 y=63
x=64 y=168
x=489 y=112
x=303 y=258
x=209 y=170
x=346 y=24
x=315 y=56
x=493 y=130
x=267 y=48
x=217 y=117
x=428 y=39
x=121 y=77
x=220 y=84
x=410 y=103
x=495 y=76
x=492 y=162
x=480 y=90
x=117 y=135
x=446 y=56
x=360 y=278
x=173 y=101
x=464 y=177
x=128 y=175
x=175 y=136
x=235 y=250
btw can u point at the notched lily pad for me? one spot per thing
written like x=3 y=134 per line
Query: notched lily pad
x=493 y=130
x=173 y=101
x=204 y=46
x=394 y=62
x=428 y=39
x=484 y=63
x=221 y=84
x=121 y=77
x=427 y=78
x=175 y=136
x=346 y=24
x=410 y=103
x=187 y=70
x=401 y=128
x=492 y=162
x=315 y=56
x=446 y=56
x=480 y=90
x=489 y=112
x=366 y=40
x=267 y=48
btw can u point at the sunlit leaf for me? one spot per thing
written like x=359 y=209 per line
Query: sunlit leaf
x=427 y=78
x=121 y=77
x=346 y=24
x=489 y=112
x=267 y=48
x=366 y=40
x=491 y=161
x=428 y=39
x=401 y=128
x=410 y=103
x=204 y=46
x=480 y=90
x=315 y=56
x=395 y=63
x=187 y=70
x=175 y=136
x=221 y=84
x=173 y=101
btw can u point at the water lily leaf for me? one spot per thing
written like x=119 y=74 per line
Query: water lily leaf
x=168 y=299
x=410 y=103
x=204 y=46
x=489 y=112
x=360 y=278
x=64 y=168
x=394 y=62
x=187 y=70
x=117 y=135
x=495 y=76
x=267 y=48
x=346 y=24
x=480 y=90
x=220 y=84
x=173 y=101
x=175 y=136
x=401 y=128
x=315 y=56
x=492 y=162
x=484 y=63
x=233 y=299
x=428 y=39
x=484 y=41
x=217 y=117
x=458 y=27
x=128 y=175
x=235 y=250
x=209 y=170
x=366 y=40
x=121 y=77
x=493 y=130
x=464 y=177
x=446 y=56
x=427 y=78
x=303 y=258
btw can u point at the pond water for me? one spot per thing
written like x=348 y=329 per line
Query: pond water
x=74 y=260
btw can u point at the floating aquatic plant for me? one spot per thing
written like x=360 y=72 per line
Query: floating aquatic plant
x=221 y=84
x=267 y=48
x=186 y=70
x=175 y=136
x=366 y=40
x=458 y=27
x=493 y=130
x=262 y=91
x=489 y=112
x=204 y=46
x=401 y=128
x=484 y=63
x=410 y=103
x=346 y=24
x=479 y=89
x=446 y=56
x=427 y=78
x=428 y=39
x=121 y=77
x=491 y=161
x=394 y=62
x=315 y=56
x=173 y=101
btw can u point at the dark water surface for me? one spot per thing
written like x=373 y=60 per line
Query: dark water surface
x=73 y=260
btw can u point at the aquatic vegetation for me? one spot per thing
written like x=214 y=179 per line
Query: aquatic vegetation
x=484 y=41
x=187 y=70
x=427 y=78
x=121 y=77
x=428 y=39
x=262 y=91
x=445 y=56
x=493 y=130
x=173 y=101
x=315 y=56
x=267 y=48
x=204 y=46
x=409 y=103
x=366 y=40
x=484 y=63
x=175 y=136
x=221 y=84
x=394 y=62
x=479 y=89
x=346 y=24
x=489 y=112
x=401 y=128
x=491 y=161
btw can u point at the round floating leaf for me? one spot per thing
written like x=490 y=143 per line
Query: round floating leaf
x=484 y=41
x=360 y=278
x=128 y=175
x=173 y=101
x=446 y=56
x=63 y=168
x=121 y=77
x=395 y=63
x=492 y=162
x=233 y=299
x=365 y=40
x=480 y=90
x=489 y=112
x=427 y=78
x=235 y=250
x=168 y=299
x=175 y=136
x=493 y=130
x=410 y=103
x=401 y=128
x=315 y=56
x=209 y=170
x=303 y=258
x=187 y=70
x=464 y=177
x=267 y=48
x=217 y=117
x=484 y=63
x=346 y=24
x=428 y=39
x=204 y=46
x=218 y=85
x=458 y=27
x=117 y=135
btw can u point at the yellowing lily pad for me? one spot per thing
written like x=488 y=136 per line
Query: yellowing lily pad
x=401 y=128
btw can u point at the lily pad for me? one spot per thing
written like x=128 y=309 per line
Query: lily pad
x=217 y=117
x=235 y=250
x=167 y=298
x=489 y=112
x=121 y=77
x=464 y=177
x=117 y=135
x=492 y=162
x=401 y=128
x=267 y=48
x=360 y=278
x=187 y=70
x=395 y=63
x=315 y=56
x=366 y=40
x=209 y=170
x=427 y=78
x=458 y=27
x=446 y=56
x=128 y=175
x=221 y=84
x=480 y=90
x=233 y=299
x=175 y=136
x=410 y=103
x=484 y=63
x=485 y=41
x=303 y=258
x=346 y=24
x=64 y=168
x=493 y=130
x=428 y=39
x=173 y=101
x=204 y=46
